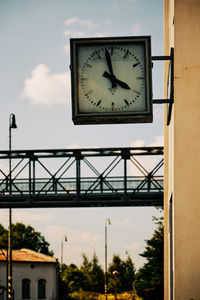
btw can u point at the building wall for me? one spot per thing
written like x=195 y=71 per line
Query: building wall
x=182 y=150
x=34 y=272
x=169 y=151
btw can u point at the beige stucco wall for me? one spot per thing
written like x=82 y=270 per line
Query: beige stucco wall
x=169 y=151
x=182 y=149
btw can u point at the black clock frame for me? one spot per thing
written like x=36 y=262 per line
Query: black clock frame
x=79 y=118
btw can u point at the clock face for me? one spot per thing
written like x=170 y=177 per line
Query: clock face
x=96 y=92
x=110 y=79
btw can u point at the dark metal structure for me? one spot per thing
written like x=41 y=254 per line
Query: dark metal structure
x=170 y=84
x=82 y=177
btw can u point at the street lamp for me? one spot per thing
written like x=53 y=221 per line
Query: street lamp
x=107 y=223
x=12 y=125
x=61 y=258
x=115 y=273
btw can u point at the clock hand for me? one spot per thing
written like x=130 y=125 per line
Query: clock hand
x=117 y=81
x=122 y=84
x=109 y=63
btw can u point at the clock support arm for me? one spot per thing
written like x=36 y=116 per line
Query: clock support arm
x=170 y=84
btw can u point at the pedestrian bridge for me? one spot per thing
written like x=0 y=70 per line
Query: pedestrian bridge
x=93 y=177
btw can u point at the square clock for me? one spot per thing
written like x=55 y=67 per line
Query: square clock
x=111 y=80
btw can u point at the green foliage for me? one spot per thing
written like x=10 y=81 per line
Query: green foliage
x=3 y=235
x=25 y=237
x=150 y=278
x=125 y=274
x=97 y=276
x=89 y=277
x=94 y=273
x=75 y=279
x=83 y=295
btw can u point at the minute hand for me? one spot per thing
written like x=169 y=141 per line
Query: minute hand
x=117 y=81
x=109 y=63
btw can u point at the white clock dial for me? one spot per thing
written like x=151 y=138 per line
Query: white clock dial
x=111 y=79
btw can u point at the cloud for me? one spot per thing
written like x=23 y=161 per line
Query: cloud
x=76 y=237
x=25 y=217
x=159 y=141
x=138 y=143
x=29 y=218
x=78 y=241
x=124 y=222
x=82 y=28
x=46 y=88
x=84 y=23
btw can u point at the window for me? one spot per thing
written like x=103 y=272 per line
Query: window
x=41 y=288
x=26 y=288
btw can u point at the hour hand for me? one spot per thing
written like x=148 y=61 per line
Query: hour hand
x=124 y=85
x=117 y=81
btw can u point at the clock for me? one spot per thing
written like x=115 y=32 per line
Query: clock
x=111 y=80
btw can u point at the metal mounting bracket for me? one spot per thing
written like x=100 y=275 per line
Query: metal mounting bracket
x=170 y=84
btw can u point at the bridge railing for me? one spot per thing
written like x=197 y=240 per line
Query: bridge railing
x=133 y=184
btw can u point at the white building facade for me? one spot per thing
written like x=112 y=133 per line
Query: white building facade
x=34 y=275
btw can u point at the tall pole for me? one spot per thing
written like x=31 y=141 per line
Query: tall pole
x=61 y=256
x=10 y=294
x=106 y=249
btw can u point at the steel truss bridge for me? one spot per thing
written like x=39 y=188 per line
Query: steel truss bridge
x=81 y=177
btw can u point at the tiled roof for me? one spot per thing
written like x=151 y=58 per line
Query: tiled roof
x=26 y=255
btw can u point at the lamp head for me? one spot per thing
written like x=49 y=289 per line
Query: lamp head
x=13 y=121
x=115 y=272
x=108 y=221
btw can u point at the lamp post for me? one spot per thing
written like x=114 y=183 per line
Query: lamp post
x=12 y=125
x=61 y=256
x=106 y=248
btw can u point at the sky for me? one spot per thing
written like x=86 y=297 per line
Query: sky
x=35 y=86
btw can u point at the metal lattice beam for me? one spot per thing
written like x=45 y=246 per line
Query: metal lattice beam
x=82 y=177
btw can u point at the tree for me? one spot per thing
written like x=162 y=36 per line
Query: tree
x=150 y=279
x=3 y=235
x=94 y=273
x=86 y=268
x=125 y=274
x=25 y=237
x=75 y=279
x=129 y=274
x=97 y=276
